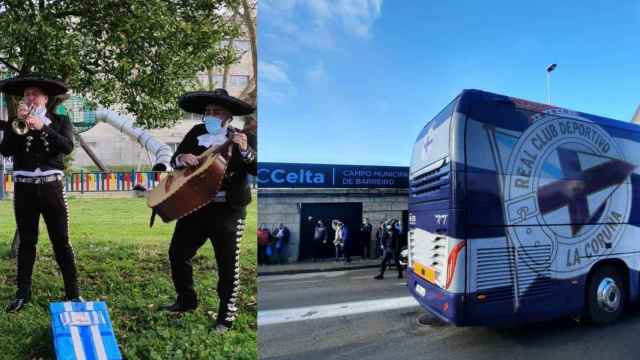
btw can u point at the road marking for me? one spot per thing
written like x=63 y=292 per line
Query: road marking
x=295 y=282
x=364 y=276
x=328 y=274
x=280 y=316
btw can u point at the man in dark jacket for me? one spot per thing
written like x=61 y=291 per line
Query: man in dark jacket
x=222 y=220
x=380 y=231
x=345 y=235
x=320 y=237
x=390 y=251
x=38 y=172
x=365 y=237
x=281 y=242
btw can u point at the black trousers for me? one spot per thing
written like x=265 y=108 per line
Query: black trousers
x=346 y=249
x=224 y=226
x=48 y=200
x=388 y=256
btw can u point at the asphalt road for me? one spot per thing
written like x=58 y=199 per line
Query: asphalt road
x=348 y=315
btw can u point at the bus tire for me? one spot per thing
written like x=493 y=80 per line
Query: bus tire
x=605 y=298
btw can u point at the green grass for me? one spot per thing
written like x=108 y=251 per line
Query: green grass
x=125 y=263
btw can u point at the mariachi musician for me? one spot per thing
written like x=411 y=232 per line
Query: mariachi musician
x=222 y=220
x=37 y=140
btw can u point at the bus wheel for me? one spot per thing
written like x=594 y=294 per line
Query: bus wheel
x=605 y=296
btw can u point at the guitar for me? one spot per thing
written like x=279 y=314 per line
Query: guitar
x=186 y=190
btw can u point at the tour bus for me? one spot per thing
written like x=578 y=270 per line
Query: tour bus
x=521 y=211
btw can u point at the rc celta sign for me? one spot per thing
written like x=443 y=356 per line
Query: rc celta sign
x=289 y=175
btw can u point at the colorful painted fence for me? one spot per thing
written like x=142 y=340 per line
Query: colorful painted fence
x=100 y=182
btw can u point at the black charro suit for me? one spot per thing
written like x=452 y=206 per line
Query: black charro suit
x=47 y=146
x=221 y=221
x=43 y=150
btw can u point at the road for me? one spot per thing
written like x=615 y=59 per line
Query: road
x=348 y=315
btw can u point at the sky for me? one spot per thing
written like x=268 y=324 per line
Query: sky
x=354 y=81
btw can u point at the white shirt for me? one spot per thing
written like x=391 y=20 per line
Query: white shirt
x=41 y=113
x=208 y=140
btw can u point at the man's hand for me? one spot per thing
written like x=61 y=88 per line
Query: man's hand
x=34 y=122
x=189 y=159
x=23 y=110
x=240 y=139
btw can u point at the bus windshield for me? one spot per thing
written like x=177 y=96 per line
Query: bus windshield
x=432 y=143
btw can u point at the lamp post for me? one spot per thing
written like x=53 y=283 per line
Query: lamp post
x=550 y=68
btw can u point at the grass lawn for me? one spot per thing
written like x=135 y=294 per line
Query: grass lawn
x=125 y=263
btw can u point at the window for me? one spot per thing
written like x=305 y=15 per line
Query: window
x=242 y=45
x=203 y=78
x=217 y=81
x=238 y=80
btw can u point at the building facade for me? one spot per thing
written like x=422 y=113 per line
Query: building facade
x=298 y=195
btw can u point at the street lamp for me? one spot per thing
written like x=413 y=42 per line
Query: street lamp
x=550 y=68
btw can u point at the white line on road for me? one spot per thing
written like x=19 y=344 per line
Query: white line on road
x=328 y=274
x=272 y=317
x=295 y=282
x=364 y=276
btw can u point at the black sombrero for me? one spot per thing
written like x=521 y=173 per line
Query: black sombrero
x=16 y=85
x=197 y=101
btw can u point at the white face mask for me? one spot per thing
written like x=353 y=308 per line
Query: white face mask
x=213 y=124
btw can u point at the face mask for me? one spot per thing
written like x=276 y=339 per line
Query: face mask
x=213 y=124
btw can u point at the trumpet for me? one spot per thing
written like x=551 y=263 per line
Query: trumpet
x=20 y=126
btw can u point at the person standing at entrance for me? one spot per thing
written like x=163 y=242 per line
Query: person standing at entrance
x=346 y=242
x=281 y=236
x=320 y=236
x=337 y=240
x=263 y=242
x=365 y=237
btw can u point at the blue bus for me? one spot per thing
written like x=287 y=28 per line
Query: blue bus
x=521 y=211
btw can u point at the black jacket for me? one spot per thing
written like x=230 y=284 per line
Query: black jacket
x=390 y=241
x=235 y=184
x=44 y=149
x=320 y=233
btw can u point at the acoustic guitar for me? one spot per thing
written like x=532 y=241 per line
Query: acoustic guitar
x=186 y=190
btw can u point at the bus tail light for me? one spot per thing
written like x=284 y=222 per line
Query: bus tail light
x=451 y=262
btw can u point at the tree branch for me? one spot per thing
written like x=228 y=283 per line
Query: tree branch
x=7 y=64
x=64 y=14
x=248 y=20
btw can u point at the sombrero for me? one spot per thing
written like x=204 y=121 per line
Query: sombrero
x=16 y=85
x=197 y=101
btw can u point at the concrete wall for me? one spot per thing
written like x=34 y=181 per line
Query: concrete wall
x=283 y=206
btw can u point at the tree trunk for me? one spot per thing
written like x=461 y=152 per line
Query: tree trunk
x=225 y=72
x=92 y=155
x=250 y=93
x=249 y=22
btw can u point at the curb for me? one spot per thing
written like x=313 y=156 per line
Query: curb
x=302 y=271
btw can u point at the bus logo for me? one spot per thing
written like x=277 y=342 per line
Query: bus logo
x=566 y=185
